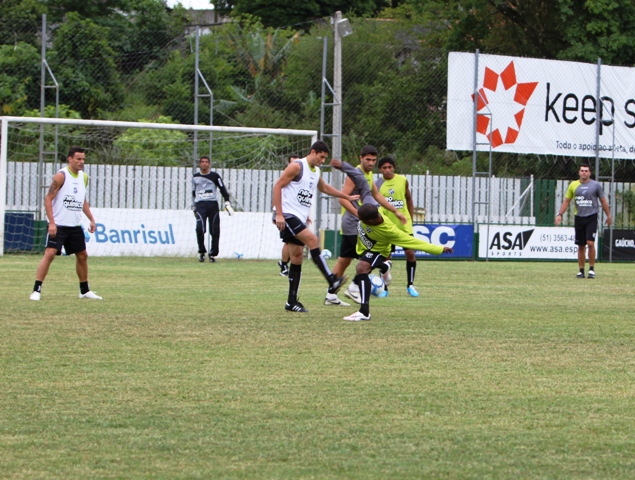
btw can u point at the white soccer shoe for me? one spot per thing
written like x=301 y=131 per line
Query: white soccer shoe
x=89 y=294
x=387 y=277
x=356 y=317
x=333 y=299
x=353 y=294
x=35 y=296
x=412 y=291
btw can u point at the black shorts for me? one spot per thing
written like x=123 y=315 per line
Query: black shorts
x=348 y=246
x=375 y=259
x=71 y=238
x=294 y=226
x=585 y=229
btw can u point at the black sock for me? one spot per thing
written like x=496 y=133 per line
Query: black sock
x=591 y=268
x=295 y=274
x=318 y=259
x=38 y=286
x=364 y=292
x=410 y=271
x=83 y=288
x=582 y=270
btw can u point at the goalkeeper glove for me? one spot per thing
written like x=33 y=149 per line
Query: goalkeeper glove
x=229 y=209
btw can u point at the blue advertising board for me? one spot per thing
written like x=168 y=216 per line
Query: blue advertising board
x=458 y=237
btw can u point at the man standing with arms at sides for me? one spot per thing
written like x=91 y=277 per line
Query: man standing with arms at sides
x=65 y=202
x=284 y=262
x=293 y=195
x=586 y=192
x=375 y=236
x=395 y=189
x=348 y=243
x=205 y=186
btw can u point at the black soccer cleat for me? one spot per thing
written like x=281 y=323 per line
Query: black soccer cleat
x=201 y=257
x=295 y=307
x=212 y=259
x=336 y=283
x=284 y=269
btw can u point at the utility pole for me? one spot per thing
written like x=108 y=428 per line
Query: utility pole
x=337 y=101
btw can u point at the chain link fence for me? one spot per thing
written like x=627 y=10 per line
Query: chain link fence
x=394 y=94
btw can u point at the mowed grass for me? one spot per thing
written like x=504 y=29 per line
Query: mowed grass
x=188 y=370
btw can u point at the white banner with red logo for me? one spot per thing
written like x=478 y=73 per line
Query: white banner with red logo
x=525 y=242
x=528 y=105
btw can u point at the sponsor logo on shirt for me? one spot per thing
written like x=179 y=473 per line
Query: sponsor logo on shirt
x=580 y=201
x=398 y=204
x=70 y=203
x=305 y=197
x=367 y=242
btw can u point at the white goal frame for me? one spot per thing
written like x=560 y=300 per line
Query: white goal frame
x=6 y=120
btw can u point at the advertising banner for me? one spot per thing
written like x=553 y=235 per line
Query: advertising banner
x=622 y=242
x=458 y=237
x=525 y=242
x=172 y=233
x=528 y=105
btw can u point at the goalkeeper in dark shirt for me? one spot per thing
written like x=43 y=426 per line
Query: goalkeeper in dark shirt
x=205 y=186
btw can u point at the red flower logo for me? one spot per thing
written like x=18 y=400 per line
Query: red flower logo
x=502 y=105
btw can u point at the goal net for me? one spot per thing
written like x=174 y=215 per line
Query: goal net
x=140 y=183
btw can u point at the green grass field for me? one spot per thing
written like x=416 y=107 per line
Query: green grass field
x=188 y=370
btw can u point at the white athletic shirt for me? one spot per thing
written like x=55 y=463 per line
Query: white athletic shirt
x=68 y=204
x=297 y=197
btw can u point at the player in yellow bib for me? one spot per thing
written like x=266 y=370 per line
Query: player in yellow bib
x=364 y=174
x=375 y=235
x=395 y=189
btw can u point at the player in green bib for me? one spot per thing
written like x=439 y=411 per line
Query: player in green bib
x=395 y=189
x=375 y=236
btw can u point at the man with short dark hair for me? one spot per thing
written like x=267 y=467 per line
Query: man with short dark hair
x=283 y=263
x=205 y=186
x=65 y=202
x=348 y=242
x=396 y=190
x=376 y=234
x=586 y=192
x=293 y=196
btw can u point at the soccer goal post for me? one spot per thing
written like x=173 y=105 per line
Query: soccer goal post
x=140 y=183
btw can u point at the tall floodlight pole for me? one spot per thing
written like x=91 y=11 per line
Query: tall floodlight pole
x=337 y=86
x=195 y=149
x=598 y=116
x=337 y=103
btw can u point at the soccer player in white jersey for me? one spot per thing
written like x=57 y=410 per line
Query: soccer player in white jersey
x=65 y=202
x=283 y=263
x=293 y=195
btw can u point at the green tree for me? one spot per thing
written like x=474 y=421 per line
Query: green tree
x=282 y=13
x=85 y=67
x=19 y=19
x=146 y=146
x=558 y=29
x=19 y=77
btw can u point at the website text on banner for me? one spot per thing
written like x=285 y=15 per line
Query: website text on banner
x=528 y=105
x=518 y=242
x=458 y=237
